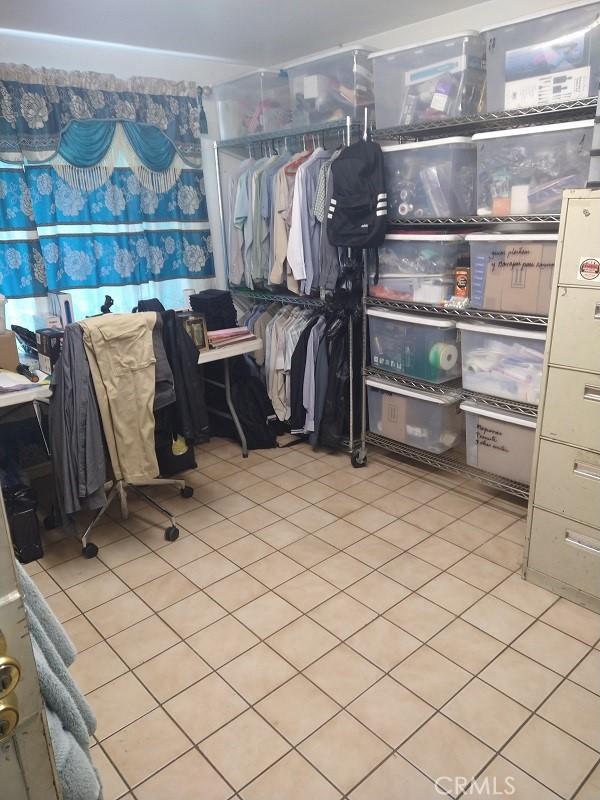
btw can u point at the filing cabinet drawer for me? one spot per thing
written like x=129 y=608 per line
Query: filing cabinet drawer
x=581 y=241
x=565 y=550
x=568 y=482
x=576 y=333
x=572 y=408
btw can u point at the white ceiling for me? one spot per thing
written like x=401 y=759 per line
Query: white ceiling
x=258 y=32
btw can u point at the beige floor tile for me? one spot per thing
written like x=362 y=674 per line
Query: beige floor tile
x=341 y=534
x=118 y=614
x=154 y=538
x=343 y=674
x=205 y=707
x=591 y=788
x=291 y=479
x=311 y=519
x=479 y=572
x=402 y=534
x=143 y=641
x=63 y=550
x=206 y=490
x=419 y=617
x=454 y=503
x=575 y=620
x=516 y=532
x=172 y=671
x=275 y=569
x=551 y=647
x=431 y=676
x=166 y=590
x=342 y=615
x=565 y=770
x=438 y=552
x=223 y=640
x=396 y=504
x=208 y=569
x=292 y=778
x=225 y=451
x=297 y=709
x=392 y=479
x=489 y=519
x=70 y=574
x=236 y=590
x=192 y=614
x=450 y=593
x=576 y=711
x=309 y=551
x=378 y=592
x=373 y=551
x=341 y=480
x=410 y=571
x=286 y=504
x=497 y=618
x=587 y=674
x=369 y=492
x=503 y=552
x=231 y=504
x=441 y=748
x=340 y=504
x=266 y=614
x=240 y=481
x=280 y=533
x=344 y=751
x=315 y=491
x=428 y=518
x=219 y=470
x=145 y=746
x=96 y=666
x=506 y=777
x=524 y=595
x=370 y=518
x=464 y=534
x=141 y=570
x=82 y=633
x=317 y=468
x=221 y=533
x=383 y=644
x=396 y=778
x=198 y=519
x=261 y=491
x=184 y=550
x=257 y=672
x=268 y=469
x=113 y=555
x=118 y=703
x=341 y=570
x=108 y=532
x=306 y=591
x=255 y=518
x=422 y=490
x=246 y=550
x=520 y=678
x=62 y=606
x=255 y=744
x=181 y=780
x=302 y=642
x=466 y=645
x=294 y=458
x=113 y=786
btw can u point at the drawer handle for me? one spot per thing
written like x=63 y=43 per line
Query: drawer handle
x=587 y=470
x=591 y=393
x=597 y=314
x=585 y=542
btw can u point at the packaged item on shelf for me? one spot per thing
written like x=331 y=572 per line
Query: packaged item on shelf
x=525 y=170
x=431 y=179
x=421 y=347
x=499 y=441
x=256 y=103
x=418 y=267
x=421 y=419
x=550 y=58
x=512 y=271
x=326 y=90
x=434 y=80
x=502 y=362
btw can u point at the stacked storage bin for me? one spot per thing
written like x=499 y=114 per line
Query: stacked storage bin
x=256 y=103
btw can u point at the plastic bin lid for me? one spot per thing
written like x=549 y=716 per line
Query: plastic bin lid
x=406 y=391
x=497 y=413
x=541 y=13
x=512 y=237
x=413 y=319
x=246 y=75
x=498 y=330
x=427 y=43
x=425 y=237
x=390 y=148
x=557 y=126
x=315 y=58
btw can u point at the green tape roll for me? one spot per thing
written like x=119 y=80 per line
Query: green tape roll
x=443 y=356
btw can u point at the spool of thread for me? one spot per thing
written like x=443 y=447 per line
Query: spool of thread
x=404 y=209
x=519 y=198
x=443 y=356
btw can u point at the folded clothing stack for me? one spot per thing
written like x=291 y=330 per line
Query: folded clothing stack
x=225 y=336
x=217 y=307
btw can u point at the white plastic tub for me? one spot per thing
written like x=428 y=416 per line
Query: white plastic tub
x=428 y=421
x=328 y=89
x=499 y=441
x=256 y=103
x=418 y=267
x=426 y=348
x=431 y=179
x=525 y=170
x=512 y=271
x=434 y=80
x=502 y=362
x=548 y=58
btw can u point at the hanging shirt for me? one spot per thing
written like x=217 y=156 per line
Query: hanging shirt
x=235 y=235
x=308 y=390
x=298 y=241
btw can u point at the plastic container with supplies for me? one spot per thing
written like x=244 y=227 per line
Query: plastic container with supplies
x=431 y=179
x=499 y=441
x=547 y=58
x=431 y=422
x=326 y=90
x=512 y=271
x=502 y=362
x=418 y=267
x=434 y=80
x=421 y=347
x=525 y=170
x=256 y=103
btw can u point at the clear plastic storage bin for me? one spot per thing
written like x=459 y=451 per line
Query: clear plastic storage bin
x=256 y=103
x=408 y=344
x=328 y=89
x=428 y=421
x=525 y=170
x=502 y=362
x=499 y=441
x=512 y=271
x=418 y=267
x=431 y=179
x=435 y=80
x=551 y=58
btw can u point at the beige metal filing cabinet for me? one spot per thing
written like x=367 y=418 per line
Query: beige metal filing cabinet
x=563 y=541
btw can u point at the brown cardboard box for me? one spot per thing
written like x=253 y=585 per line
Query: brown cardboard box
x=9 y=358
x=519 y=278
x=393 y=416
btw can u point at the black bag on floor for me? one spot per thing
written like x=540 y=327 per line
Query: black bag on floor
x=23 y=524
x=255 y=412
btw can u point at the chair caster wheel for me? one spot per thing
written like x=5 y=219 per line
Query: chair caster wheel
x=171 y=533
x=358 y=459
x=90 y=550
x=187 y=491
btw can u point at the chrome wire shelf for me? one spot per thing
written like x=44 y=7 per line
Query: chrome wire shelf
x=284 y=134
x=449 y=389
x=455 y=222
x=450 y=463
x=463 y=313
x=274 y=297
x=527 y=409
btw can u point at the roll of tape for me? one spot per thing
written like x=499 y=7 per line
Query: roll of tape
x=443 y=356
x=404 y=209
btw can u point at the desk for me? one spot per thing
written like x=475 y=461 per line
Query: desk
x=224 y=354
x=34 y=394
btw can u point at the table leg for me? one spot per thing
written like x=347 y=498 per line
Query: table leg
x=231 y=408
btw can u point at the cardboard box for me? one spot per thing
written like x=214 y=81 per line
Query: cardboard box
x=9 y=357
x=393 y=417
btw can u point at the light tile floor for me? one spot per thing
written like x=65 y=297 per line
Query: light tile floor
x=324 y=632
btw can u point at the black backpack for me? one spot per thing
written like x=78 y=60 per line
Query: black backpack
x=357 y=214
x=255 y=412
